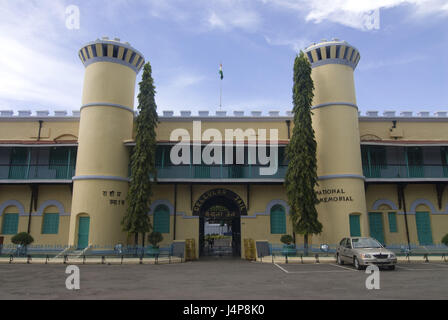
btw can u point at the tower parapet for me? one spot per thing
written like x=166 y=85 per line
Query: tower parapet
x=114 y=51
x=333 y=52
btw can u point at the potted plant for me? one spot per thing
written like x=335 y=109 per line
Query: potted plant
x=289 y=249
x=22 y=240
x=154 y=238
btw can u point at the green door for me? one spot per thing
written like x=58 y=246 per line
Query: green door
x=423 y=228
x=83 y=232
x=355 y=226
x=376 y=226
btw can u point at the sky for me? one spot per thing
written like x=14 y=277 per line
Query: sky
x=403 y=46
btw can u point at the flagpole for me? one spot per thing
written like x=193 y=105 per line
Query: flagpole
x=220 y=97
x=220 y=86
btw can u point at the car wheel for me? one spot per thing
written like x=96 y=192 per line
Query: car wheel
x=356 y=264
x=339 y=260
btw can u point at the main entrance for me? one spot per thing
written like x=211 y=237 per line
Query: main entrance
x=220 y=212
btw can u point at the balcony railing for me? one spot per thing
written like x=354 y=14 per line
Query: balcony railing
x=37 y=172
x=405 y=171
x=217 y=172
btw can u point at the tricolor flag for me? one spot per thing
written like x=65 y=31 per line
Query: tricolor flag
x=220 y=72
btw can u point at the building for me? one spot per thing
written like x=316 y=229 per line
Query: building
x=64 y=178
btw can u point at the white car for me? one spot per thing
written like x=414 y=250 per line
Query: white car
x=362 y=252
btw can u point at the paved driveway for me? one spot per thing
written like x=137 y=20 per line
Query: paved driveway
x=223 y=279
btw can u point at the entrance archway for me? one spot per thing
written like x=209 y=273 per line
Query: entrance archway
x=222 y=208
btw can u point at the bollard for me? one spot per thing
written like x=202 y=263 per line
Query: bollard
x=425 y=257
x=11 y=259
x=286 y=258
x=317 y=258
x=122 y=257
x=46 y=259
x=65 y=259
x=301 y=258
x=28 y=259
x=103 y=259
x=83 y=259
x=141 y=259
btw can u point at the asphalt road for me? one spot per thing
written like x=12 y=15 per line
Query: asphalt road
x=223 y=279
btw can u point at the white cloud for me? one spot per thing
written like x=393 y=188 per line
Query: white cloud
x=296 y=44
x=35 y=67
x=356 y=13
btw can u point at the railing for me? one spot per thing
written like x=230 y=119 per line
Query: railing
x=393 y=171
x=217 y=172
x=37 y=172
x=103 y=255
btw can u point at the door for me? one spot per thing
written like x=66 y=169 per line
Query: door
x=423 y=228
x=83 y=232
x=19 y=163
x=376 y=226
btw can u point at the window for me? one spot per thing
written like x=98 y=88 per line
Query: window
x=392 y=221
x=10 y=223
x=162 y=219
x=278 y=220
x=50 y=223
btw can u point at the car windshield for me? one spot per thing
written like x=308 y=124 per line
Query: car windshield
x=365 y=243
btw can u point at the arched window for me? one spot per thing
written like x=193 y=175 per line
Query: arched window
x=10 y=223
x=162 y=219
x=50 y=224
x=278 y=220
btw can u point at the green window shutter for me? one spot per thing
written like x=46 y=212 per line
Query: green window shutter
x=50 y=223
x=392 y=221
x=278 y=220
x=162 y=219
x=10 y=223
x=424 y=232
x=355 y=225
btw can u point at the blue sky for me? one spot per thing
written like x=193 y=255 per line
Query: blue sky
x=403 y=67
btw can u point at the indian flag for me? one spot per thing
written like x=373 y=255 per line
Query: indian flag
x=220 y=72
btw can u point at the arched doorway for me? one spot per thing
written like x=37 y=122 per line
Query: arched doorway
x=220 y=212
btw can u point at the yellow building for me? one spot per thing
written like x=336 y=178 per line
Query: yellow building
x=64 y=178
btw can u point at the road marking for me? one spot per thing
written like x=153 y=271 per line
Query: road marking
x=284 y=270
x=312 y=271
x=336 y=265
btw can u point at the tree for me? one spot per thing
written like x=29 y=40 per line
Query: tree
x=301 y=176
x=143 y=166
x=23 y=239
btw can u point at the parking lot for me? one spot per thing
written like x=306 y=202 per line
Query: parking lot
x=229 y=279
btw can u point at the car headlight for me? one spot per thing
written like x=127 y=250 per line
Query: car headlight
x=366 y=256
x=392 y=256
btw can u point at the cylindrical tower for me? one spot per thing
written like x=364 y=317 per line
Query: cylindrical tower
x=335 y=120
x=107 y=113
